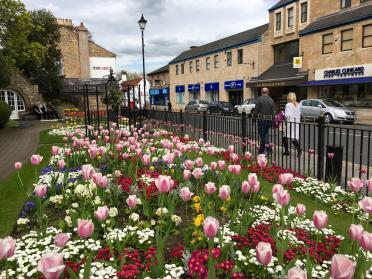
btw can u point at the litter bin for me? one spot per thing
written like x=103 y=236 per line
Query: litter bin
x=334 y=165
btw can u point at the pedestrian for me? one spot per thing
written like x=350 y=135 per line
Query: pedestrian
x=264 y=111
x=169 y=105
x=293 y=118
x=37 y=111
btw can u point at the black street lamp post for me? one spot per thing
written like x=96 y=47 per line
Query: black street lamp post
x=142 y=24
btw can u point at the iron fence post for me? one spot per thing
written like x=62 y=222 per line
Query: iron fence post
x=244 y=131
x=205 y=125
x=165 y=116
x=181 y=123
x=321 y=143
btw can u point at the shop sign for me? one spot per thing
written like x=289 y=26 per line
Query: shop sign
x=100 y=66
x=193 y=87
x=297 y=62
x=272 y=84
x=214 y=86
x=234 y=84
x=344 y=72
x=180 y=88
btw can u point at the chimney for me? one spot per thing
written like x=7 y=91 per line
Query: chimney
x=83 y=51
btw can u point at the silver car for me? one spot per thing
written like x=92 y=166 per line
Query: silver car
x=196 y=106
x=332 y=110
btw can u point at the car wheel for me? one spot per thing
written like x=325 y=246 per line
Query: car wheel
x=328 y=119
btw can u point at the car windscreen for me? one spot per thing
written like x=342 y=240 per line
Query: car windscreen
x=332 y=103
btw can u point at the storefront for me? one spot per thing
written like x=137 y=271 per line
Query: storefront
x=350 y=85
x=180 y=94
x=159 y=96
x=235 y=90
x=194 y=91
x=212 y=91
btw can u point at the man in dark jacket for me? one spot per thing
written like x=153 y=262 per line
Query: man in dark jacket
x=264 y=111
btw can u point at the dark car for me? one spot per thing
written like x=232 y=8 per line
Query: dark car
x=223 y=108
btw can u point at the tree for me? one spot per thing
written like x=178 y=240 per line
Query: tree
x=4 y=72
x=47 y=74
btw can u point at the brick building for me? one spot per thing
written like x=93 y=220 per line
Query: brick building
x=159 y=91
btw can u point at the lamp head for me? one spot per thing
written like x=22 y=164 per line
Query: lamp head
x=142 y=23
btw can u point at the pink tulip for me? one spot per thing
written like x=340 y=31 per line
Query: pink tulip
x=199 y=162
x=355 y=231
x=282 y=197
x=368 y=184
x=331 y=155
x=163 y=183
x=246 y=187
x=87 y=171
x=186 y=174
x=67 y=152
x=185 y=194
x=234 y=169
x=132 y=201
x=248 y=155
x=256 y=187
x=231 y=149
x=36 y=159
x=210 y=188
x=169 y=158
x=197 y=173
x=61 y=164
x=277 y=187
x=342 y=267
x=234 y=157
x=97 y=177
x=17 y=165
x=213 y=166
x=286 y=178
x=101 y=213
x=201 y=141
x=296 y=273
x=211 y=227
x=300 y=209
x=55 y=150
x=7 y=247
x=41 y=191
x=366 y=205
x=146 y=159
x=263 y=253
x=262 y=162
x=221 y=165
x=366 y=241
x=85 y=228
x=51 y=265
x=103 y=183
x=355 y=184
x=320 y=219
x=252 y=179
x=224 y=192
x=189 y=164
x=61 y=239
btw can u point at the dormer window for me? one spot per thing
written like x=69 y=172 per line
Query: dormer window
x=345 y=4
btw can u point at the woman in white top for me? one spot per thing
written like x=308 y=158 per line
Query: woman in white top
x=293 y=118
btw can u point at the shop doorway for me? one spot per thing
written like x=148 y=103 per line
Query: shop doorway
x=236 y=97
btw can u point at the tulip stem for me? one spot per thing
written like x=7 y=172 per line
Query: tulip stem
x=211 y=270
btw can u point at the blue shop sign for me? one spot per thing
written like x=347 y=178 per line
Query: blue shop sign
x=154 y=92
x=234 y=84
x=164 y=91
x=194 y=87
x=214 y=86
x=180 y=88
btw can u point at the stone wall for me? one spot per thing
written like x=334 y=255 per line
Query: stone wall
x=98 y=51
x=70 y=53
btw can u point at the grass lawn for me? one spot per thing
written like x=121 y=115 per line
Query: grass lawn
x=47 y=139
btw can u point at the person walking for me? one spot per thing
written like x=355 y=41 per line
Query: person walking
x=264 y=111
x=293 y=118
x=169 y=105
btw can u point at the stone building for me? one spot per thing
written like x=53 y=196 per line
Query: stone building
x=159 y=91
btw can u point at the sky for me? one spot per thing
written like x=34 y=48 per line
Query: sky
x=173 y=25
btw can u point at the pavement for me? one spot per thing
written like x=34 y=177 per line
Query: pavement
x=18 y=144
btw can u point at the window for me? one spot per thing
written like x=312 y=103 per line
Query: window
x=304 y=12
x=290 y=12
x=345 y=4
x=327 y=43
x=278 y=21
x=177 y=70
x=182 y=69
x=197 y=65
x=367 y=35
x=208 y=63
x=190 y=66
x=284 y=53
x=347 y=40
x=229 y=58
x=240 y=56
x=364 y=1
x=216 y=61
x=180 y=98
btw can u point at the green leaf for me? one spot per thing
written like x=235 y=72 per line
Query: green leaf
x=71 y=273
x=87 y=267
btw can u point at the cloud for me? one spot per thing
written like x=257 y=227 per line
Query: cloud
x=173 y=25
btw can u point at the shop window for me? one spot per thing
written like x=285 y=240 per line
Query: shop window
x=347 y=39
x=278 y=21
x=177 y=70
x=216 y=61
x=197 y=65
x=240 y=56
x=367 y=35
x=190 y=66
x=182 y=69
x=365 y=1
x=345 y=4
x=351 y=95
x=284 y=53
x=327 y=43
x=208 y=63
x=229 y=58
x=304 y=12
x=180 y=98
x=290 y=12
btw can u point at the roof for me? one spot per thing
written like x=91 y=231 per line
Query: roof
x=165 y=68
x=105 y=50
x=341 y=18
x=132 y=82
x=281 y=3
x=246 y=37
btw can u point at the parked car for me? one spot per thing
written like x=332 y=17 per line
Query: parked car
x=247 y=106
x=196 y=106
x=220 y=107
x=333 y=111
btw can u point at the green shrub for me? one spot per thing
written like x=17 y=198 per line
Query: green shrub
x=56 y=102
x=5 y=112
